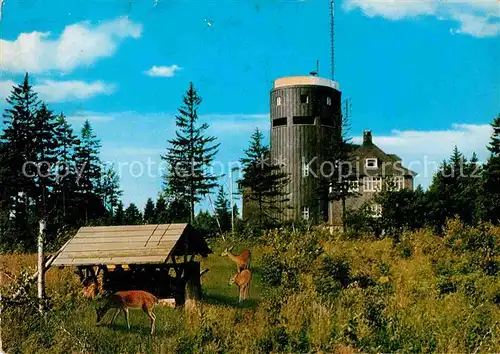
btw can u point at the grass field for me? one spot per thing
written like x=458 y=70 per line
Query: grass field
x=423 y=296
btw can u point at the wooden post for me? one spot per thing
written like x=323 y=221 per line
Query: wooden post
x=231 y=200
x=1 y=345
x=41 y=265
x=193 y=285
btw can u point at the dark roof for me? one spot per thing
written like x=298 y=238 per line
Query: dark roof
x=388 y=164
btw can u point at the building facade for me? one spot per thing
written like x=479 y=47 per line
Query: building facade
x=375 y=169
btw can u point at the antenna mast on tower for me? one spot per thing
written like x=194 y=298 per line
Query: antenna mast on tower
x=332 y=36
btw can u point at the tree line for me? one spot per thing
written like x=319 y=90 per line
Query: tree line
x=49 y=171
x=461 y=188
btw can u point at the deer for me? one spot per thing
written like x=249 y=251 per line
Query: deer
x=242 y=280
x=132 y=299
x=242 y=260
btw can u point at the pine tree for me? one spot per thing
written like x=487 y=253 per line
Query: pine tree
x=88 y=167
x=18 y=137
x=236 y=211
x=109 y=189
x=160 y=214
x=263 y=183
x=190 y=152
x=149 y=212
x=491 y=176
x=17 y=162
x=223 y=210
x=133 y=215
x=66 y=177
x=206 y=224
x=178 y=211
x=454 y=191
x=119 y=217
x=45 y=156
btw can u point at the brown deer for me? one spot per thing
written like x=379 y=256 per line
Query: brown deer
x=242 y=280
x=125 y=300
x=242 y=260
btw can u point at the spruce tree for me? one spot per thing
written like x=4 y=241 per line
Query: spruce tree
x=66 y=177
x=223 y=210
x=454 y=191
x=109 y=189
x=236 y=211
x=149 y=212
x=45 y=156
x=491 y=176
x=119 y=217
x=263 y=183
x=18 y=137
x=88 y=168
x=160 y=212
x=18 y=158
x=189 y=154
x=133 y=215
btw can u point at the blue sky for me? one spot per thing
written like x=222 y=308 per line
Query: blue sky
x=423 y=76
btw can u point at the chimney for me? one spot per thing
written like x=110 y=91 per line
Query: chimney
x=367 y=137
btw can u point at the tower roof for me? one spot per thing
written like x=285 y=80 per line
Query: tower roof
x=305 y=80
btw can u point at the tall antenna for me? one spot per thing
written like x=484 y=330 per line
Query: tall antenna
x=332 y=36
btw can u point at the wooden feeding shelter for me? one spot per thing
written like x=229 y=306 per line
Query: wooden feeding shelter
x=157 y=258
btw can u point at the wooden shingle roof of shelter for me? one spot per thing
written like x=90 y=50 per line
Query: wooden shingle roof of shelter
x=132 y=244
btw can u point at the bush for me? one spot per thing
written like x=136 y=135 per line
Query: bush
x=332 y=275
x=271 y=270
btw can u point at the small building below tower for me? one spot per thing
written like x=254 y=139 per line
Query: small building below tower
x=374 y=170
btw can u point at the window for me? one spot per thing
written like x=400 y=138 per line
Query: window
x=371 y=163
x=354 y=186
x=327 y=121
x=304 y=98
x=279 y=122
x=376 y=210
x=278 y=101
x=303 y=120
x=372 y=184
x=398 y=183
x=305 y=169
x=328 y=101
x=305 y=213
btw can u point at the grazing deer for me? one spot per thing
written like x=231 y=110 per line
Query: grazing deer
x=242 y=260
x=242 y=280
x=125 y=300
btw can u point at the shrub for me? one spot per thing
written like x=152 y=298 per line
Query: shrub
x=331 y=276
x=271 y=270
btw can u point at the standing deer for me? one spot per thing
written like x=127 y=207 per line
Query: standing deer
x=125 y=300
x=242 y=260
x=242 y=280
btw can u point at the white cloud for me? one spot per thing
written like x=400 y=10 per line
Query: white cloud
x=59 y=91
x=94 y=117
x=80 y=44
x=479 y=18
x=423 y=151
x=163 y=71
x=6 y=88
x=393 y=9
